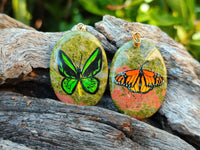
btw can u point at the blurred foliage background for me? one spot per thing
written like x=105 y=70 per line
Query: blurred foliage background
x=180 y=19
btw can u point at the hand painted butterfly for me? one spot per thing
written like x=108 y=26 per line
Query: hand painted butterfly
x=86 y=76
x=139 y=80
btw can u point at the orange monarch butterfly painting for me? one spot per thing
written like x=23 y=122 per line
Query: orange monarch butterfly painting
x=139 y=80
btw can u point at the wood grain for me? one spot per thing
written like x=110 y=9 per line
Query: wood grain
x=8 y=22
x=49 y=124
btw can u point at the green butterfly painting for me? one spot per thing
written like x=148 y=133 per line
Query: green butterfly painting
x=76 y=76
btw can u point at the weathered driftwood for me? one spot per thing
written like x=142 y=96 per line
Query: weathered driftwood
x=46 y=123
x=9 y=145
x=23 y=51
x=8 y=22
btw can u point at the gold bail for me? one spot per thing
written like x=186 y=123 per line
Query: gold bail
x=81 y=27
x=136 y=39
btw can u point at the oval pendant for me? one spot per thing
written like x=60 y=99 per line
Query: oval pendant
x=78 y=69
x=138 y=79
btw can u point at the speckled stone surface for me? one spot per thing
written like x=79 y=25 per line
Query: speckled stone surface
x=86 y=57
x=129 y=89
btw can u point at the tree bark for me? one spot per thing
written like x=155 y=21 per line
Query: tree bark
x=49 y=124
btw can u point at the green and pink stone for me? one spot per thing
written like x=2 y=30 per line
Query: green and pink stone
x=138 y=78
x=78 y=68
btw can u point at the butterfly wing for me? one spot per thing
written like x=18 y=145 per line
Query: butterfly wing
x=140 y=86
x=69 y=85
x=68 y=70
x=152 y=79
x=65 y=65
x=127 y=78
x=94 y=64
x=90 y=85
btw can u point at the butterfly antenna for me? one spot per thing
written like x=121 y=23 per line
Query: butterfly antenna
x=141 y=66
x=137 y=62
x=144 y=64
x=73 y=57
x=80 y=61
x=73 y=60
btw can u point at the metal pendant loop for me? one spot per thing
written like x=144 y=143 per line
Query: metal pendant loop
x=81 y=27
x=136 y=39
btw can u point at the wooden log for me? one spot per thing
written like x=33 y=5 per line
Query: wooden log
x=49 y=124
x=8 y=22
x=23 y=51
x=9 y=145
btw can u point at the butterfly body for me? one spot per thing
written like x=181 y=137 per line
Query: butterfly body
x=139 y=80
x=86 y=76
x=79 y=74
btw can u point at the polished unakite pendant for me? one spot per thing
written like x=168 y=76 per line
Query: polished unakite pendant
x=78 y=68
x=138 y=78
